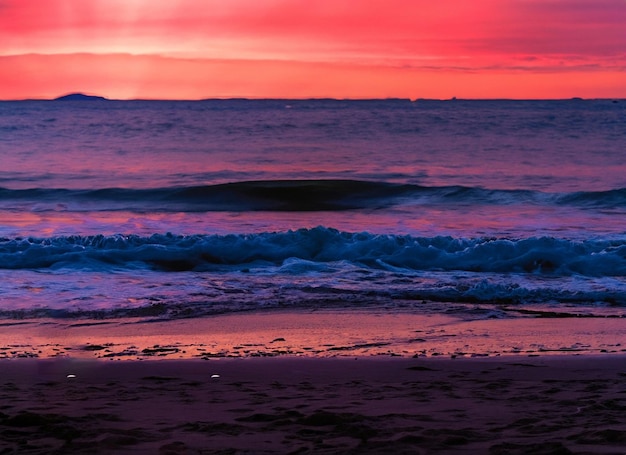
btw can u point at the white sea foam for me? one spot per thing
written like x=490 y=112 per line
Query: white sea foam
x=312 y=247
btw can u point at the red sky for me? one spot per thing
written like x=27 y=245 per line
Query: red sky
x=192 y=49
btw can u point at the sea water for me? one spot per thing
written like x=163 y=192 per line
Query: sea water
x=166 y=209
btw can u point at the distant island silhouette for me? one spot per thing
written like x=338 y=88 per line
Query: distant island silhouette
x=79 y=97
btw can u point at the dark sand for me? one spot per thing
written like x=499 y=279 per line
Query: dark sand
x=315 y=383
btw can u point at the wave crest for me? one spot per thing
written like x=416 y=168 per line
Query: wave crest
x=294 y=195
x=319 y=246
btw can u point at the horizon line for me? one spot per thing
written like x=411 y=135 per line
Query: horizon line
x=93 y=97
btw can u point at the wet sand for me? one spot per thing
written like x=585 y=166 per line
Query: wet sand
x=324 y=382
x=322 y=333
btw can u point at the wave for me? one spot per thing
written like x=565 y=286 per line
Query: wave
x=316 y=248
x=292 y=195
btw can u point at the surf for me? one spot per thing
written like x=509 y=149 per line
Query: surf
x=548 y=256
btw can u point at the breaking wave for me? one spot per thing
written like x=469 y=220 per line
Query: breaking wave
x=318 y=246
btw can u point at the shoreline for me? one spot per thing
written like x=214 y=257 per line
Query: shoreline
x=323 y=382
x=311 y=333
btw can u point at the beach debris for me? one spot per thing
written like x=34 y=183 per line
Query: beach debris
x=160 y=350
x=215 y=376
x=96 y=347
x=71 y=376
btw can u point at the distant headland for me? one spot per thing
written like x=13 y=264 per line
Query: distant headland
x=80 y=97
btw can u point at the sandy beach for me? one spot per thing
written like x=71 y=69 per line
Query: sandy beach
x=308 y=405
x=321 y=382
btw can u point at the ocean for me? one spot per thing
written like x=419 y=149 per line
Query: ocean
x=160 y=210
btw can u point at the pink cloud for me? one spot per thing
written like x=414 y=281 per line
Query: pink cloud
x=446 y=28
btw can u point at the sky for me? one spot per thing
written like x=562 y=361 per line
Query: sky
x=195 y=49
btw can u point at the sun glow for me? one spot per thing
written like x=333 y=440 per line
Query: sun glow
x=212 y=48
